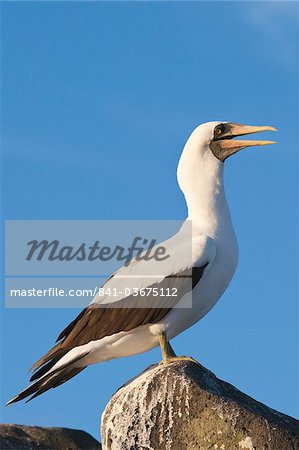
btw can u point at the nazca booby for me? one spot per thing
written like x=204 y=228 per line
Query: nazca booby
x=117 y=330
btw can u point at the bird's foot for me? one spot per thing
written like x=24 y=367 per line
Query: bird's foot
x=171 y=359
x=168 y=354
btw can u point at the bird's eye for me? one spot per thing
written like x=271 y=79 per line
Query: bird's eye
x=219 y=130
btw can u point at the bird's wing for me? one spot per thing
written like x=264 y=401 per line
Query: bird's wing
x=107 y=315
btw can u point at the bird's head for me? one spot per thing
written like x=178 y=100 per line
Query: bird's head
x=210 y=145
x=219 y=138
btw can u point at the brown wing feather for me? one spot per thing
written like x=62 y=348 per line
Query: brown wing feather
x=94 y=323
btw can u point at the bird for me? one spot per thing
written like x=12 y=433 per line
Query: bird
x=202 y=259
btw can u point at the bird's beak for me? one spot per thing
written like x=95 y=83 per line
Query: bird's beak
x=229 y=145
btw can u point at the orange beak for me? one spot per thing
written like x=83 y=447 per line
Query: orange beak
x=226 y=142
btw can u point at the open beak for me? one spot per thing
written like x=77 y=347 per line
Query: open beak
x=231 y=146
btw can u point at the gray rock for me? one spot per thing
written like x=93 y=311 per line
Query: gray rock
x=21 y=437
x=184 y=406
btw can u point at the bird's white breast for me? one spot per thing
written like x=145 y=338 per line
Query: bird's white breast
x=207 y=292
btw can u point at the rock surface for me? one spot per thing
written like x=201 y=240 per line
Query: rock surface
x=182 y=405
x=21 y=437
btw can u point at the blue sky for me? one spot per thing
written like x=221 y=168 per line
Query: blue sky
x=98 y=97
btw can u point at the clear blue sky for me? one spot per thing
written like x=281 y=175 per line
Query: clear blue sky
x=98 y=97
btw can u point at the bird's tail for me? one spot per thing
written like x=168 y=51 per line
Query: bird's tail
x=51 y=379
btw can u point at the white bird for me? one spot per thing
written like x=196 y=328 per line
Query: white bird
x=119 y=329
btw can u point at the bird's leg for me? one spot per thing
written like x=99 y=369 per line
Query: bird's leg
x=168 y=354
x=166 y=349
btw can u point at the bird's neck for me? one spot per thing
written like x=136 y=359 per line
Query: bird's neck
x=205 y=197
x=208 y=208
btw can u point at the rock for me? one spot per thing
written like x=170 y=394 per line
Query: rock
x=21 y=437
x=182 y=405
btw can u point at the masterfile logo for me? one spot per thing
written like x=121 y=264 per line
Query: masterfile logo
x=67 y=263
x=141 y=249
